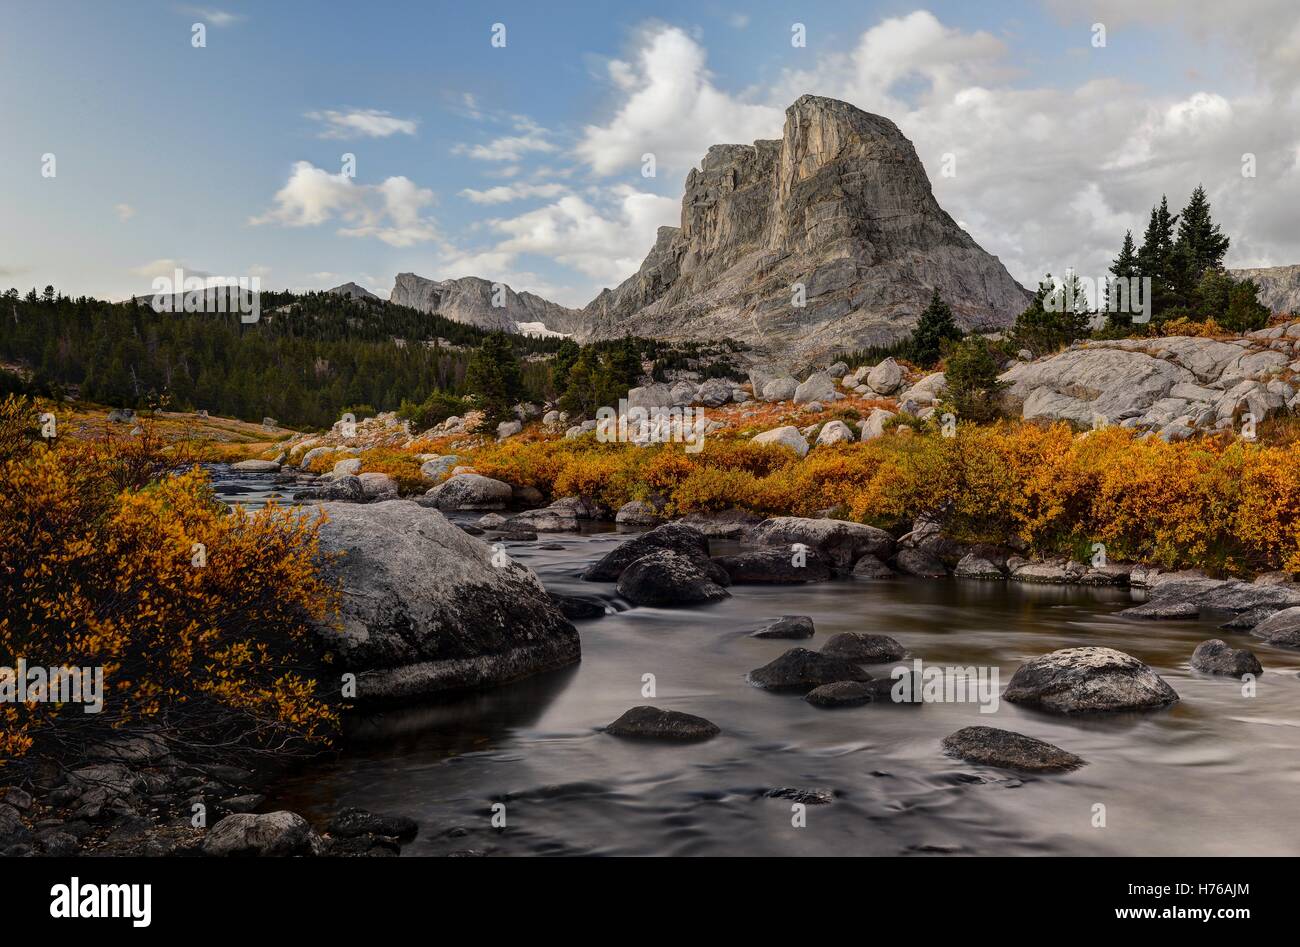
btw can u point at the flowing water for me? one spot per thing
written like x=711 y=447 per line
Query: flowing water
x=1214 y=775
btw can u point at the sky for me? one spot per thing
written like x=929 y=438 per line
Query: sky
x=506 y=140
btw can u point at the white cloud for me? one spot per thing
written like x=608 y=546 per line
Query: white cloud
x=366 y=123
x=214 y=16
x=505 y=193
x=531 y=138
x=671 y=109
x=390 y=211
x=124 y=212
x=1048 y=176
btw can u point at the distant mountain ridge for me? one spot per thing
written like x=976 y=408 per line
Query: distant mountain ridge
x=469 y=300
x=1279 y=286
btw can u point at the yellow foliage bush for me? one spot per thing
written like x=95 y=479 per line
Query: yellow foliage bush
x=1232 y=508
x=402 y=467
x=198 y=615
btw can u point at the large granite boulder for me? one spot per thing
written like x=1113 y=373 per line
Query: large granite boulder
x=1088 y=680
x=428 y=608
x=677 y=537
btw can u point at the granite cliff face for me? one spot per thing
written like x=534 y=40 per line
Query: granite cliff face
x=469 y=300
x=842 y=205
x=1279 y=286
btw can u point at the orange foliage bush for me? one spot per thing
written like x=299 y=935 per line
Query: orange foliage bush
x=198 y=615
x=1233 y=508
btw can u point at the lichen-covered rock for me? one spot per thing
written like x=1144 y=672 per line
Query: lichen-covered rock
x=775 y=567
x=1088 y=680
x=993 y=747
x=790 y=626
x=652 y=723
x=1280 y=628
x=272 y=834
x=801 y=669
x=863 y=648
x=469 y=491
x=843 y=543
x=1215 y=657
x=663 y=577
x=787 y=436
x=678 y=537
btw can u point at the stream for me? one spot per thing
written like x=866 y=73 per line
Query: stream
x=1205 y=777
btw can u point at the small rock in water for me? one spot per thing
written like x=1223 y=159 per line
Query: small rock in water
x=655 y=724
x=869 y=567
x=994 y=747
x=808 y=797
x=663 y=577
x=1088 y=680
x=801 y=669
x=1163 y=610
x=842 y=694
x=864 y=649
x=352 y=821
x=1215 y=657
x=790 y=626
x=577 y=606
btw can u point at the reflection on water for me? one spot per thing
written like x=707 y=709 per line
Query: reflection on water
x=1215 y=774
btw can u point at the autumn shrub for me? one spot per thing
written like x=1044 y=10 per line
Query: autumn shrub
x=403 y=467
x=197 y=615
x=1229 y=507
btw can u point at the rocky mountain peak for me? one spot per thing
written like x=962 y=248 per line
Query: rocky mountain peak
x=840 y=205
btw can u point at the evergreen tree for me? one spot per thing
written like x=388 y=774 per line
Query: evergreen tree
x=1156 y=259
x=1200 y=246
x=972 y=377
x=493 y=377
x=935 y=327
x=1055 y=317
x=1245 y=313
x=1124 y=267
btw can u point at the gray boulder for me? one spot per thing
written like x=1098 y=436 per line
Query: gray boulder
x=469 y=492
x=990 y=746
x=801 y=669
x=842 y=543
x=863 y=648
x=886 y=378
x=835 y=432
x=260 y=466
x=1280 y=628
x=790 y=626
x=272 y=834
x=428 y=608
x=1088 y=680
x=774 y=567
x=637 y=513
x=1215 y=657
x=787 y=436
x=663 y=577
x=677 y=537
x=652 y=723
x=819 y=386
x=842 y=694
